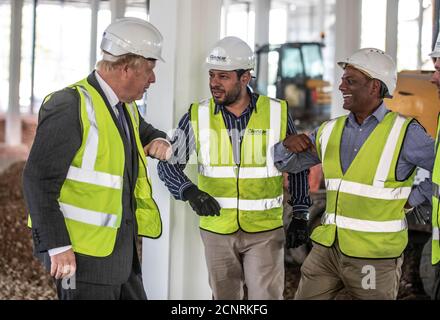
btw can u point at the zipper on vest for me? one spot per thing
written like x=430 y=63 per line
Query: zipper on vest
x=237 y=179
x=336 y=210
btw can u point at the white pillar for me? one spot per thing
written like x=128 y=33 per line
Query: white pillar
x=224 y=23
x=13 y=121
x=321 y=14
x=262 y=9
x=419 y=40
x=174 y=265
x=117 y=9
x=94 y=6
x=347 y=40
x=391 y=28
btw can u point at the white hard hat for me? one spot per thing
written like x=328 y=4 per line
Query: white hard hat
x=436 y=52
x=375 y=63
x=132 y=35
x=230 y=53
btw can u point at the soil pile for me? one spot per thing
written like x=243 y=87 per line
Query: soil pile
x=21 y=275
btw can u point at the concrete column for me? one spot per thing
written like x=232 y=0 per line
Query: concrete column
x=419 y=40
x=13 y=121
x=224 y=23
x=174 y=265
x=312 y=20
x=391 y=28
x=321 y=14
x=347 y=40
x=94 y=6
x=117 y=9
x=262 y=9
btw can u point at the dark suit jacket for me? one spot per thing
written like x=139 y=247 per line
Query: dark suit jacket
x=58 y=137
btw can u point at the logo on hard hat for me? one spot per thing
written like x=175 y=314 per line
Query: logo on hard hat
x=217 y=58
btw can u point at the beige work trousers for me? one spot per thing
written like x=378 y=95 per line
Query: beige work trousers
x=326 y=272
x=252 y=259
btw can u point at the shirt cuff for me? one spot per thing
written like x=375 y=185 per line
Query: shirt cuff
x=183 y=188
x=415 y=198
x=162 y=139
x=281 y=153
x=58 y=250
x=300 y=211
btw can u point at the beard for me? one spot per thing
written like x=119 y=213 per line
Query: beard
x=230 y=97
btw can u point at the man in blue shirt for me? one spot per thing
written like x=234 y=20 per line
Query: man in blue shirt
x=369 y=76
x=241 y=256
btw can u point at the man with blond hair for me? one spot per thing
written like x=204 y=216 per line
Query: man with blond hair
x=86 y=183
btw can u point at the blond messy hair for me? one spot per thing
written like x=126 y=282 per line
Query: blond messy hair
x=131 y=60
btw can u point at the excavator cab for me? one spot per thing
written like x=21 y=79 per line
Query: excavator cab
x=294 y=72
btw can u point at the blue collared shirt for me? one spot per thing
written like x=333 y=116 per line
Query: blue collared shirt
x=417 y=151
x=184 y=144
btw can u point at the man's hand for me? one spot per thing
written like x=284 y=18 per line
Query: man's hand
x=298 y=143
x=297 y=233
x=158 y=149
x=201 y=202
x=63 y=265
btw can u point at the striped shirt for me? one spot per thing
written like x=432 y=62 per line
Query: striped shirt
x=171 y=173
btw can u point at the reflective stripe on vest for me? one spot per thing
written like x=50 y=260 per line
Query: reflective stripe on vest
x=250 y=205
x=388 y=152
x=99 y=178
x=364 y=225
x=89 y=216
x=325 y=136
x=435 y=234
x=231 y=172
x=365 y=190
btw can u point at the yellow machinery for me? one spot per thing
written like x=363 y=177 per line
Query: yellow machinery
x=415 y=96
x=294 y=71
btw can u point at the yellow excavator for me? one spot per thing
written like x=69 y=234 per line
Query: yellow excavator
x=294 y=72
x=416 y=97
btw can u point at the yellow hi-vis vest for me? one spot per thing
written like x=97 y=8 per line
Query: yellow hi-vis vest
x=250 y=193
x=435 y=202
x=91 y=196
x=364 y=206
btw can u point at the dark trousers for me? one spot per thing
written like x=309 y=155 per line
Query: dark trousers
x=133 y=289
x=436 y=287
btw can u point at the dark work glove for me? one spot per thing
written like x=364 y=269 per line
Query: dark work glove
x=201 y=202
x=422 y=213
x=297 y=233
